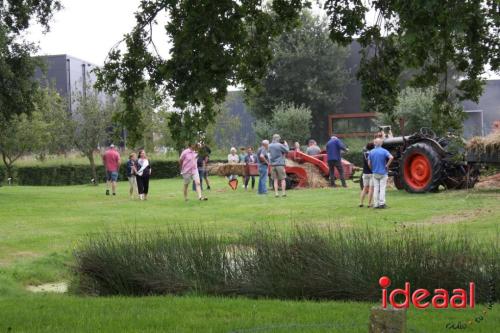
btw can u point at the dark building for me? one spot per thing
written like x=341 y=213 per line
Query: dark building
x=68 y=74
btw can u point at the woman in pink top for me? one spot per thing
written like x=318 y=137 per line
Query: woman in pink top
x=189 y=170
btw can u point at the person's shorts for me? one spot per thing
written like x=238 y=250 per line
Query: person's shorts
x=188 y=177
x=203 y=172
x=367 y=179
x=278 y=172
x=111 y=176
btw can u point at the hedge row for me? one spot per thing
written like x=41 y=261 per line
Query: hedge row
x=80 y=174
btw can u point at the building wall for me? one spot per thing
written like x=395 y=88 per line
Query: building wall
x=489 y=106
x=68 y=74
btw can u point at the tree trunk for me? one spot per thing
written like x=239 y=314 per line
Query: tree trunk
x=8 y=166
x=90 y=156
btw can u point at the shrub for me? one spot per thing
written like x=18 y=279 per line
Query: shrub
x=291 y=122
x=307 y=263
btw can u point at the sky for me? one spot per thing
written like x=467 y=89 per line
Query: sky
x=88 y=29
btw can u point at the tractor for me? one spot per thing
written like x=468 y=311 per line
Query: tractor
x=423 y=162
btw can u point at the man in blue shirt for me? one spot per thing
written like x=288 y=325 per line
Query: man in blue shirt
x=277 y=153
x=379 y=161
x=334 y=149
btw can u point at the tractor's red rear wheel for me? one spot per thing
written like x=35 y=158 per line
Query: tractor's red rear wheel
x=420 y=168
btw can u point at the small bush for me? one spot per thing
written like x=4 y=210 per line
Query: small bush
x=308 y=263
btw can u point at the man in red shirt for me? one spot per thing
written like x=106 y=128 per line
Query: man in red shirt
x=111 y=161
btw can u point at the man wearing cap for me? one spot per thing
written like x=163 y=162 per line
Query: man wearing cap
x=277 y=152
x=111 y=161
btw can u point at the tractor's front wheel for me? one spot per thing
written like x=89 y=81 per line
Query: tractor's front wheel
x=420 y=168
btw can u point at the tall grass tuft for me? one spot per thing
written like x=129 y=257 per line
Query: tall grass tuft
x=305 y=263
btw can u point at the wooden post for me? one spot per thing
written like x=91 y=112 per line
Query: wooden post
x=387 y=320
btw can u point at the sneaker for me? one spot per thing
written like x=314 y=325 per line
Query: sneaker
x=208 y=188
x=382 y=206
x=361 y=205
x=114 y=193
x=203 y=199
x=107 y=192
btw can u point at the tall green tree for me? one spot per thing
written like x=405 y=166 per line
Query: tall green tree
x=17 y=65
x=307 y=69
x=433 y=37
x=218 y=43
x=53 y=110
x=414 y=108
x=19 y=135
x=290 y=121
x=215 y=44
x=91 y=125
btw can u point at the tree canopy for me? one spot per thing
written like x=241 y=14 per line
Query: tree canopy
x=17 y=66
x=434 y=37
x=218 y=43
x=215 y=44
x=307 y=69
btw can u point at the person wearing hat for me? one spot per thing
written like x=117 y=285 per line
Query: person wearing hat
x=277 y=152
x=111 y=161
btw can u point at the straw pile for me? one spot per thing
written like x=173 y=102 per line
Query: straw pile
x=224 y=169
x=489 y=182
x=314 y=177
x=486 y=144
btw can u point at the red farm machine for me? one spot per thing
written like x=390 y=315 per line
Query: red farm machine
x=309 y=171
x=423 y=162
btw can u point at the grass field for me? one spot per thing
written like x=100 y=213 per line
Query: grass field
x=39 y=227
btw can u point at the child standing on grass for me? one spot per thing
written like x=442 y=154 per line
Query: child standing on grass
x=131 y=175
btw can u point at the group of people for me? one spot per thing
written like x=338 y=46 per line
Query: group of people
x=138 y=172
x=248 y=157
x=270 y=156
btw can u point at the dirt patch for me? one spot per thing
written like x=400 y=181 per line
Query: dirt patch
x=451 y=218
x=57 y=287
x=490 y=182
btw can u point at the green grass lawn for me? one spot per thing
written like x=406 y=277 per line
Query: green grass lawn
x=39 y=227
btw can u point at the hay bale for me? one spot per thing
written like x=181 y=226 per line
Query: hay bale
x=314 y=177
x=484 y=144
x=225 y=169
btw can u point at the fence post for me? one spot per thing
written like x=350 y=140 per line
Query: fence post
x=387 y=320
